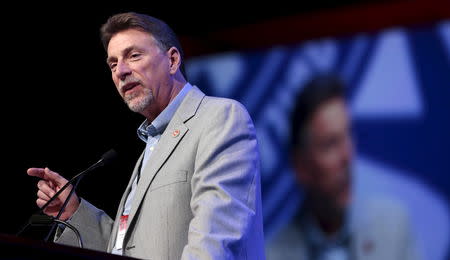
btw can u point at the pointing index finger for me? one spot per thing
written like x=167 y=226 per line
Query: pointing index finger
x=51 y=175
x=38 y=172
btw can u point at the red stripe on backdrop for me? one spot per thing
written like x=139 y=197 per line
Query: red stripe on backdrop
x=331 y=23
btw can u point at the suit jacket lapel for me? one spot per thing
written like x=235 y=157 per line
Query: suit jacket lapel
x=169 y=140
x=112 y=239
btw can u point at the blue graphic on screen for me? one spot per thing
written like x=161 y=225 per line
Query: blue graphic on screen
x=398 y=93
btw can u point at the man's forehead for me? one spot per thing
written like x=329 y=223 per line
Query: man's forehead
x=131 y=38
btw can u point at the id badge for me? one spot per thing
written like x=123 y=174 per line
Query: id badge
x=121 y=232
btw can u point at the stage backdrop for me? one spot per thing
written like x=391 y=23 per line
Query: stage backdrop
x=399 y=95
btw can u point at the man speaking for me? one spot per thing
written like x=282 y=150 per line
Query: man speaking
x=195 y=190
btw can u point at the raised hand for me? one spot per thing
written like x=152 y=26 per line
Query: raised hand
x=50 y=183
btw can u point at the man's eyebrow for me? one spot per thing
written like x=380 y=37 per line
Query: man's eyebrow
x=110 y=59
x=125 y=52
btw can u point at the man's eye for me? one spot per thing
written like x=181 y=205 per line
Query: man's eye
x=112 y=66
x=135 y=55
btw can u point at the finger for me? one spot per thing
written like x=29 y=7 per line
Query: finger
x=40 y=202
x=38 y=172
x=42 y=195
x=45 y=188
x=54 y=176
x=52 y=185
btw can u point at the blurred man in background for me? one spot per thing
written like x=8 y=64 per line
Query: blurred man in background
x=332 y=224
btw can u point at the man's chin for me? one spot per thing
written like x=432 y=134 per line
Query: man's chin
x=138 y=106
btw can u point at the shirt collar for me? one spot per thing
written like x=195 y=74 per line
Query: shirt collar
x=159 y=124
x=318 y=239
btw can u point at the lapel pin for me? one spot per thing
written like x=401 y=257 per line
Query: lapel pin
x=175 y=133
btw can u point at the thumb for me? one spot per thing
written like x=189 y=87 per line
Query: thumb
x=55 y=177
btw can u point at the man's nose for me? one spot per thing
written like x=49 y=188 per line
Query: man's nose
x=122 y=70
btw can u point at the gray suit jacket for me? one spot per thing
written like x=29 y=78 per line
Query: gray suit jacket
x=198 y=196
x=379 y=229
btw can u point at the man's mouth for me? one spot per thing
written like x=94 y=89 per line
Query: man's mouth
x=129 y=87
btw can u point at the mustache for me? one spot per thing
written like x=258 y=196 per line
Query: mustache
x=128 y=80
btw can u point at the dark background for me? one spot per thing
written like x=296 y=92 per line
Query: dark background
x=60 y=108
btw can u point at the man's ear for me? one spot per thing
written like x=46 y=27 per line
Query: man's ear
x=174 y=60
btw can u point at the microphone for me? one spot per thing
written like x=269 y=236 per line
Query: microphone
x=106 y=159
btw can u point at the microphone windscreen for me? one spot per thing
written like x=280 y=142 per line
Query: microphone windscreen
x=109 y=156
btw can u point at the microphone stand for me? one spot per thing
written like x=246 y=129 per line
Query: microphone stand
x=62 y=209
x=39 y=220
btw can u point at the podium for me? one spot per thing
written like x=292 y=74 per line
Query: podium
x=15 y=248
